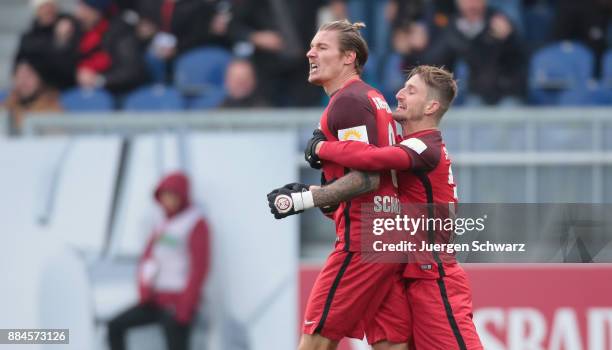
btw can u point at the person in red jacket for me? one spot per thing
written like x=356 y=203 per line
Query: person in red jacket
x=171 y=271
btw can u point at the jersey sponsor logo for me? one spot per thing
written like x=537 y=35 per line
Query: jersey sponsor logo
x=381 y=104
x=415 y=144
x=283 y=203
x=356 y=133
x=386 y=204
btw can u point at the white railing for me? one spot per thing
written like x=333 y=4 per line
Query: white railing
x=527 y=139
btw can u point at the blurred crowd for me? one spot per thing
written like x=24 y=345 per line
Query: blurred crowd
x=121 y=46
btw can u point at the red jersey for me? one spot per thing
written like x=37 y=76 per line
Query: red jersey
x=357 y=112
x=426 y=177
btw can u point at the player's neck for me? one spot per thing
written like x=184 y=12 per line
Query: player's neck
x=337 y=83
x=410 y=127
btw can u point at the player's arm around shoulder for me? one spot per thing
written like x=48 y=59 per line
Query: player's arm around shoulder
x=367 y=157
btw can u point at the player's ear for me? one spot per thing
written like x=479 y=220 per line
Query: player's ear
x=432 y=107
x=350 y=57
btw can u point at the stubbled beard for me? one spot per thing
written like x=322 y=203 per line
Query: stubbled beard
x=407 y=115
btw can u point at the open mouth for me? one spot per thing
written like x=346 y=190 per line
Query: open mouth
x=313 y=67
x=401 y=106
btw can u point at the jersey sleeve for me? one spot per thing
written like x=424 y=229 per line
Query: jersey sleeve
x=352 y=117
x=362 y=156
x=424 y=156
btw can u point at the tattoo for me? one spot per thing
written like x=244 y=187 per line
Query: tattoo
x=345 y=188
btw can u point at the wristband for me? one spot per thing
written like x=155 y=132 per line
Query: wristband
x=302 y=200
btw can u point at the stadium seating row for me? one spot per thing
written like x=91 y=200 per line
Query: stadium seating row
x=198 y=84
x=559 y=74
x=148 y=98
x=562 y=74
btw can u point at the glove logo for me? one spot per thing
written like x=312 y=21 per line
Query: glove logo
x=283 y=203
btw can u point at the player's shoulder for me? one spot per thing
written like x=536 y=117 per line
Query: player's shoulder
x=358 y=94
x=353 y=93
x=361 y=89
x=427 y=143
x=429 y=138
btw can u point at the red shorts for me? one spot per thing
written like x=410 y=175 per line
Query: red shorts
x=442 y=313
x=393 y=320
x=347 y=295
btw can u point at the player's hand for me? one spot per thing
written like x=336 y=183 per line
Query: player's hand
x=290 y=199
x=310 y=153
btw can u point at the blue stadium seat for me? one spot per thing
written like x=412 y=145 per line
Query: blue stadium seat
x=154 y=98
x=200 y=70
x=559 y=66
x=83 y=100
x=606 y=70
x=588 y=94
x=212 y=99
x=3 y=95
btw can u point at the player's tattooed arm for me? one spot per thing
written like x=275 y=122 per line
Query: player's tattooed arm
x=294 y=198
x=345 y=188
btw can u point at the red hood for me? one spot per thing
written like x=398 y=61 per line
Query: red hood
x=178 y=183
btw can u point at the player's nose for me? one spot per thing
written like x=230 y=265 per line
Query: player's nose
x=310 y=53
x=398 y=96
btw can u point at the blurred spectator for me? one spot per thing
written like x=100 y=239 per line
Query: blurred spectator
x=277 y=34
x=398 y=15
x=513 y=9
x=586 y=21
x=411 y=41
x=30 y=93
x=52 y=38
x=241 y=86
x=416 y=23
x=175 y=26
x=171 y=271
x=110 y=54
x=401 y=11
x=168 y=28
x=488 y=43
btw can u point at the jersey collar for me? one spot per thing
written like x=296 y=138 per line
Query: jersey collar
x=346 y=83
x=421 y=132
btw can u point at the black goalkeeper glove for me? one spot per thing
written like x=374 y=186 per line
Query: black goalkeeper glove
x=290 y=199
x=310 y=153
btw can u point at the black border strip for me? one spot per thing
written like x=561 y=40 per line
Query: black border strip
x=449 y=314
x=332 y=291
x=347 y=227
x=441 y=285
